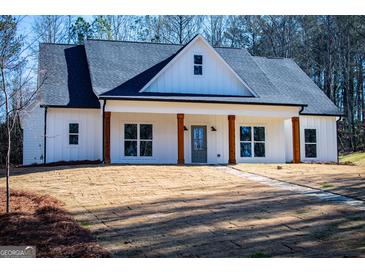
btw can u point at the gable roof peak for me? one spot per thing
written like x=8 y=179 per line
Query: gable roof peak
x=183 y=49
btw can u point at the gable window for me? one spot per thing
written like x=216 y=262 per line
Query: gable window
x=252 y=141
x=73 y=133
x=198 y=64
x=310 y=140
x=138 y=140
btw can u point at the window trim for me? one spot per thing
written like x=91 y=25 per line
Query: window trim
x=78 y=133
x=310 y=143
x=198 y=65
x=252 y=142
x=137 y=157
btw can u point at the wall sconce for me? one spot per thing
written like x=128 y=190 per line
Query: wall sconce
x=213 y=129
x=185 y=128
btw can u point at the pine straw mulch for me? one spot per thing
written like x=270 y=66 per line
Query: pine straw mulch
x=41 y=221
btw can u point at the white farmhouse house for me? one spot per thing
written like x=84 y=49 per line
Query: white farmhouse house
x=151 y=103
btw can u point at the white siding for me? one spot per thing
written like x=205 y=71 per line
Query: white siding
x=288 y=140
x=90 y=125
x=274 y=139
x=33 y=135
x=217 y=78
x=326 y=137
x=165 y=137
x=217 y=141
x=164 y=145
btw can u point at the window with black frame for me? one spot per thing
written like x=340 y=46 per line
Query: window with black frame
x=198 y=64
x=145 y=137
x=73 y=133
x=252 y=141
x=138 y=140
x=130 y=140
x=310 y=140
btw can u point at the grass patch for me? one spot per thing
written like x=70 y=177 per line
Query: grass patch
x=357 y=158
x=326 y=185
x=260 y=254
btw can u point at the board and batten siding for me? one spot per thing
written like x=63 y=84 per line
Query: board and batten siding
x=164 y=143
x=288 y=140
x=165 y=137
x=33 y=135
x=326 y=138
x=274 y=139
x=90 y=125
x=217 y=141
x=216 y=78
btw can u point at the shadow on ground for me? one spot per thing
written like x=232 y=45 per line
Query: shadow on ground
x=173 y=211
x=207 y=226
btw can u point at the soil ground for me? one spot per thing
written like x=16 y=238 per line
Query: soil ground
x=347 y=180
x=200 y=211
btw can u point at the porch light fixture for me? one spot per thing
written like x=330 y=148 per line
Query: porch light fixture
x=185 y=128
x=213 y=129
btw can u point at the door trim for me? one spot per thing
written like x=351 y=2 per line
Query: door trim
x=205 y=142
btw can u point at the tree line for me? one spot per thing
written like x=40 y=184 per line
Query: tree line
x=330 y=49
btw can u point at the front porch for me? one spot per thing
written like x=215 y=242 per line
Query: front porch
x=191 y=133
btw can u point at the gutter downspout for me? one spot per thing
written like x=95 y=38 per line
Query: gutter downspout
x=104 y=104
x=45 y=136
x=338 y=151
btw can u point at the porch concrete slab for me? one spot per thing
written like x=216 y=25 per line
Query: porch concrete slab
x=198 y=211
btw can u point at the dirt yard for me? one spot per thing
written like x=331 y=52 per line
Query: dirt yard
x=197 y=211
x=341 y=179
x=40 y=220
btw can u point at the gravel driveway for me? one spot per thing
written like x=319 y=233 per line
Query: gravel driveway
x=197 y=211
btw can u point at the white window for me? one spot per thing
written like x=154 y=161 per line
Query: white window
x=138 y=140
x=310 y=140
x=252 y=141
x=73 y=133
x=198 y=64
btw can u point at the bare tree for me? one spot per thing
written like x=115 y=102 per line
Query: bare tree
x=179 y=29
x=214 y=27
x=52 y=28
x=14 y=84
x=120 y=26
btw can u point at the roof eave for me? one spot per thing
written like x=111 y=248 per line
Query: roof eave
x=121 y=98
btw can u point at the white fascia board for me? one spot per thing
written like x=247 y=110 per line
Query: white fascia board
x=202 y=109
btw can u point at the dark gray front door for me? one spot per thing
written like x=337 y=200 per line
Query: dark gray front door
x=198 y=144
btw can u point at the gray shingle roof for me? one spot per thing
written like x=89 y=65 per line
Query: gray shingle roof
x=113 y=63
x=64 y=78
x=289 y=78
x=121 y=69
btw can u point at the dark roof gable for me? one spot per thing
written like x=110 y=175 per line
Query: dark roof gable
x=65 y=77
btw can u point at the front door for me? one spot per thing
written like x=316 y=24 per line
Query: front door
x=198 y=144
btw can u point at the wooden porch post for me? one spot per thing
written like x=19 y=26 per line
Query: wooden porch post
x=232 y=139
x=106 y=134
x=296 y=139
x=180 y=139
